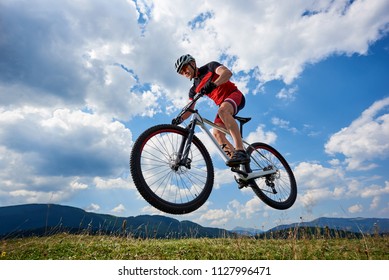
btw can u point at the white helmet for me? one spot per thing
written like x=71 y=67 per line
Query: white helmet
x=183 y=60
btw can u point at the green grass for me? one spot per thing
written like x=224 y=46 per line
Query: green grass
x=101 y=247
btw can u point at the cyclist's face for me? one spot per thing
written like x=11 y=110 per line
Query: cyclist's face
x=187 y=71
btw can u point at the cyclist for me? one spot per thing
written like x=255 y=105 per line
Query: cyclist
x=214 y=79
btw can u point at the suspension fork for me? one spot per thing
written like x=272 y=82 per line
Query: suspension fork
x=186 y=142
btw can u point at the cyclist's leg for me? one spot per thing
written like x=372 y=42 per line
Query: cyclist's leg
x=226 y=112
x=230 y=107
x=221 y=137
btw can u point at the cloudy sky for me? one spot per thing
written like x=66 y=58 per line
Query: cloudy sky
x=80 y=80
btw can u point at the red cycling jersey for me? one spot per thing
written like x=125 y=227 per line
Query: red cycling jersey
x=207 y=72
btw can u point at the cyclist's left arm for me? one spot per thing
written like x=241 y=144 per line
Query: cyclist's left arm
x=224 y=75
x=192 y=93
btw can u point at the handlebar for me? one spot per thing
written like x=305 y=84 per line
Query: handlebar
x=178 y=119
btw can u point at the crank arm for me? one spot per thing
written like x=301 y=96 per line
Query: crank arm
x=252 y=175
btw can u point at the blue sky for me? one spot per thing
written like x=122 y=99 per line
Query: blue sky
x=80 y=80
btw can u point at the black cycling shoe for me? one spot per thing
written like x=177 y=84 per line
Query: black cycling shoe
x=239 y=157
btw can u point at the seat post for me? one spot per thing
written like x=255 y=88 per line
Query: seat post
x=242 y=121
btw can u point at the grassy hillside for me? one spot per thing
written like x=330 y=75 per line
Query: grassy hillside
x=101 y=247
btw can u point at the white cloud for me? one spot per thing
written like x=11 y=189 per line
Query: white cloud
x=283 y=124
x=316 y=176
x=288 y=94
x=375 y=202
x=310 y=199
x=87 y=44
x=95 y=54
x=317 y=183
x=119 y=209
x=260 y=135
x=234 y=211
x=223 y=177
x=115 y=183
x=22 y=196
x=365 y=139
x=281 y=38
x=48 y=155
x=375 y=190
x=93 y=207
x=78 y=186
x=252 y=207
x=216 y=217
x=357 y=208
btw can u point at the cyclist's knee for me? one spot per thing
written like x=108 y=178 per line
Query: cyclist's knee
x=222 y=112
x=225 y=110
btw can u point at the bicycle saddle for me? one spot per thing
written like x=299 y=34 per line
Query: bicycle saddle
x=242 y=120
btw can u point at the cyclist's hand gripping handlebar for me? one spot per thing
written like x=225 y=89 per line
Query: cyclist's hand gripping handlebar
x=177 y=120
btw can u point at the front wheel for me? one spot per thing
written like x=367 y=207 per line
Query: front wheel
x=170 y=187
x=278 y=190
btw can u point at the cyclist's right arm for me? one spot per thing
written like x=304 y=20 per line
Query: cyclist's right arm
x=192 y=94
x=187 y=114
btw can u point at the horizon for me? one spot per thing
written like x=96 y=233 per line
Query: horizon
x=301 y=222
x=79 y=82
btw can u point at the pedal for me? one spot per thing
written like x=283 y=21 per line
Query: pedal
x=241 y=184
x=237 y=170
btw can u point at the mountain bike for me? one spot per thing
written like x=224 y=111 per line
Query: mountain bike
x=173 y=170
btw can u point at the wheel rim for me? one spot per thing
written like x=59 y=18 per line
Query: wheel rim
x=172 y=183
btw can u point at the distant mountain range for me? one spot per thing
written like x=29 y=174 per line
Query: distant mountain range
x=246 y=231
x=44 y=219
x=357 y=225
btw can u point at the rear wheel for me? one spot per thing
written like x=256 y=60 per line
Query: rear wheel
x=168 y=186
x=278 y=190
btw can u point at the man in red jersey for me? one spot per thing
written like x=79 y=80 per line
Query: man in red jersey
x=214 y=79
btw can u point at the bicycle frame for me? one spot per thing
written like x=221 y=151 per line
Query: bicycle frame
x=243 y=172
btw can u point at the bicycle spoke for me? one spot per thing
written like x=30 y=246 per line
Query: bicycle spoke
x=176 y=186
